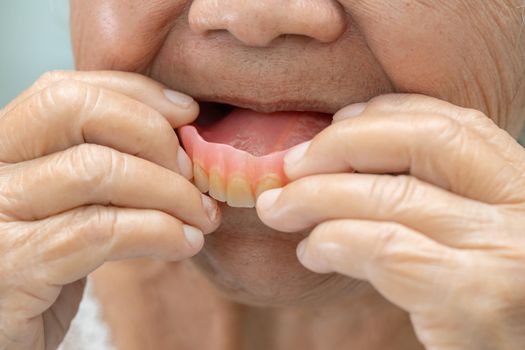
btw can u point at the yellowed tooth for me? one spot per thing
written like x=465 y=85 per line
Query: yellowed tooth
x=267 y=182
x=239 y=193
x=216 y=186
x=200 y=178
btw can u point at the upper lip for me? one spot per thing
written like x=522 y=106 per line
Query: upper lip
x=271 y=106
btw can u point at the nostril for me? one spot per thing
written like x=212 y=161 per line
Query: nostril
x=253 y=36
x=258 y=23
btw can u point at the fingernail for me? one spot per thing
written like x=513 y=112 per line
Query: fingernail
x=179 y=99
x=314 y=261
x=184 y=162
x=350 y=111
x=301 y=248
x=268 y=198
x=211 y=207
x=193 y=235
x=296 y=154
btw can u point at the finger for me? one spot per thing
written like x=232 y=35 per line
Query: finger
x=67 y=247
x=92 y=174
x=407 y=268
x=69 y=113
x=433 y=148
x=61 y=313
x=474 y=120
x=179 y=109
x=452 y=220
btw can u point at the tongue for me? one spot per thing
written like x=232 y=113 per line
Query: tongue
x=262 y=133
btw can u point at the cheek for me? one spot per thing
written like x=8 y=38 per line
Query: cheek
x=405 y=38
x=438 y=50
x=120 y=35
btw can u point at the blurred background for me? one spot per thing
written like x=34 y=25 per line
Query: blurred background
x=35 y=38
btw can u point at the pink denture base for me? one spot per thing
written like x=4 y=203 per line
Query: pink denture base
x=229 y=161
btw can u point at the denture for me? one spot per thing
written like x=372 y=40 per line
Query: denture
x=239 y=155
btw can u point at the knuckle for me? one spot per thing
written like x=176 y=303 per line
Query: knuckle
x=159 y=221
x=68 y=93
x=48 y=79
x=51 y=77
x=309 y=188
x=441 y=128
x=407 y=188
x=13 y=182
x=157 y=123
x=96 y=225
x=94 y=165
x=400 y=189
x=387 y=249
x=71 y=98
x=152 y=123
x=327 y=231
x=320 y=232
x=476 y=116
x=339 y=133
x=308 y=184
x=447 y=136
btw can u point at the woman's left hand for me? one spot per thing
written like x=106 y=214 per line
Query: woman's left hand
x=434 y=219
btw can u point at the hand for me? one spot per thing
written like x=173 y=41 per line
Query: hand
x=90 y=172
x=434 y=219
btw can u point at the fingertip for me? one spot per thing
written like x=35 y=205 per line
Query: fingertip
x=293 y=158
x=351 y=111
x=180 y=100
x=184 y=163
x=264 y=204
x=310 y=258
x=301 y=248
x=194 y=237
x=179 y=115
x=282 y=213
x=267 y=199
x=212 y=211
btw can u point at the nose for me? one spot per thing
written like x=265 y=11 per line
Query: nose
x=258 y=22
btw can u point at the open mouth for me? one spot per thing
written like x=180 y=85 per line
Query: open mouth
x=238 y=153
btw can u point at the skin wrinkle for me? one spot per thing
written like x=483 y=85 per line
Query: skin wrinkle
x=372 y=11
x=507 y=87
x=252 y=74
x=443 y=49
x=490 y=106
x=243 y=289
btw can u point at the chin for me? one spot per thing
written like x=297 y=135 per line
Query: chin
x=254 y=265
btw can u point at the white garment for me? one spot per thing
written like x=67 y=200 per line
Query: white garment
x=88 y=331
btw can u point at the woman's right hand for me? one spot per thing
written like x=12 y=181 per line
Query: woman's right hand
x=89 y=172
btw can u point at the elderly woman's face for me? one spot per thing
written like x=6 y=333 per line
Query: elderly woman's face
x=308 y=55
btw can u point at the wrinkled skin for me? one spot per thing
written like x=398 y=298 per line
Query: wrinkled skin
x=442 y=242
x=455 y=263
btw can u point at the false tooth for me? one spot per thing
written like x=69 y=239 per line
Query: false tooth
x=239 y=193
x=200 y=178
x=217 y=187
x=267 y=182
x=224 y=164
